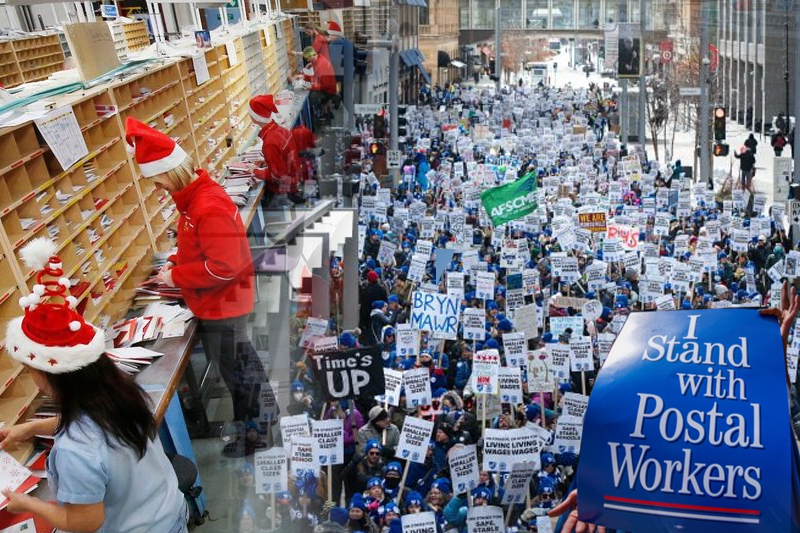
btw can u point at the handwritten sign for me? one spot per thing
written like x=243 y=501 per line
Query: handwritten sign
x=437 y=313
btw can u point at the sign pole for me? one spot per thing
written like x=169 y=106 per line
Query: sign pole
x=330 y=482
x=272 y=508
x=402 y=481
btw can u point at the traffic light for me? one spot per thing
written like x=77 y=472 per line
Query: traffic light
x=379 y=130
x=719 y=123
x=402 y=122
x=721 y=149
x=376 y=148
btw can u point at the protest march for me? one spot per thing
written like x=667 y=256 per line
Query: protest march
x=546 y=315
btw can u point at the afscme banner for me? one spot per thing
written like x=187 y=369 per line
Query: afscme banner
x=685 y=429
x=512 y=201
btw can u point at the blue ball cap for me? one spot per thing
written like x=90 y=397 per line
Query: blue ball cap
x=297 y=386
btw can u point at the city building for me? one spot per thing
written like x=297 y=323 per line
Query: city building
x=438 y=40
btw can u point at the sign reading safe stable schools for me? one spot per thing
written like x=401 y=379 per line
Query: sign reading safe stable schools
x=351 y=373
x=688 y=427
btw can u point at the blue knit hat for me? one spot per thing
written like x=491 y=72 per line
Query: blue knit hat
x=504 y=325
x=372 y=444
x=482 y=492
x=357 y=502
x=443 y=484
x=338 y=515
x=394 y=466
x=347 y=340
x=378 y=304
x=374 y=482
x=414 y=498
x=297 y=386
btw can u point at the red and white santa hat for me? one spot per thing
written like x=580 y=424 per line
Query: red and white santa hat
x=262 y=108
x=155 y=152
x=335 y=29
x=51 y=337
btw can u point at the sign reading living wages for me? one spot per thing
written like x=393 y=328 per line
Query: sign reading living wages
x=348 y=374
x=688 y=426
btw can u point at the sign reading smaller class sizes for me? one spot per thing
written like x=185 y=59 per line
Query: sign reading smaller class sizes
x=594 y=222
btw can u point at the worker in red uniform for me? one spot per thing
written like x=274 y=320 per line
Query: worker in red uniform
x=320 y=44
x=306 y=143
x=213 y=265
x=278 y=149
x=319 y=78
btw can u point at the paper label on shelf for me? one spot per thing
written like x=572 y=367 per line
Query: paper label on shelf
x=267 y=36
x=200 y=68
x=233 y=59
x=62 y=134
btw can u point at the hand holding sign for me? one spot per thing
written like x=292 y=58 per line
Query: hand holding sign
x=570 y=504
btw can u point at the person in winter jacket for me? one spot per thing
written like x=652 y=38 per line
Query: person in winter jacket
x=747 y=164
x=372 y=292
x=358 y=519
x=353 y=419
x=277 y=147
x=373 y=431
x=364 y=467
x=213 y=266
x=377 y=321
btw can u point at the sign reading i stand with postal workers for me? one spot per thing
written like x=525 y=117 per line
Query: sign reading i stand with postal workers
x=688 y=427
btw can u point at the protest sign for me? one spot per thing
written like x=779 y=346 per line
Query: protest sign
x=474 y=322
x=303 y=458
x=406 y=341
x=580 y=358
x=526 y=319
x=497 y=450
x=568 y=436
x=540 y=378
x=559 y=355
x=512 y=201
x=329 y=435
x=268 y=404
x=294 y=426
x=463 y=463
x=594 y=222
x=351 y=373
x=315 y=327
x=414 y=438
x=628 y=236
x=437 y=313
x=543 y=524
x=510 y=384
x=417 y=384
x=574 y=405
x=515 y=348
x=691 y=391
x=592 y=310
x=271 y=471
x=394 y=384
x=386 y=253
x=485 y=369
x=418 y=522
x=484 y=285
x=518 y=481
x=485 y=519
x=560 y=324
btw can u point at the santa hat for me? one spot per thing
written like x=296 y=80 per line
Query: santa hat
x=334 y=28
x=155 y=152
x=262 y=107
x=51 y=337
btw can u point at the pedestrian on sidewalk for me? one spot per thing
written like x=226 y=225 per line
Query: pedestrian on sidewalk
x=752 y=144
x=778 y=143
x=747 y=164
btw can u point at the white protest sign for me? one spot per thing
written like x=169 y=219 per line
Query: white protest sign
x=485 y=369
x=315 y=327
x=540 y=378
x=543 y=524
x=485 y=519
x=407 y=341
x=526 y=319
x=329 y=435
x=484 y=285
x=559 y=360
x=463 y=463
x=271 y=471
x=437 y=313
x=414 y=438
x=419 y=522
x=592 y=310
x=417 y=383
x=515 y=348
x=510 y=384
x=268 y=404
x=294 y=426
x=568 y=436
x=581 y=354
x=518 y=481
x=394 y=384
x=474 y=322
x=497 y=450
x=303 y=458
x=574 y=406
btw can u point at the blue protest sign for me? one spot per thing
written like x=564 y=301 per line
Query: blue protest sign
x=688 y=427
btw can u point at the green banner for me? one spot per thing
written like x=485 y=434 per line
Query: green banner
x=512 y=201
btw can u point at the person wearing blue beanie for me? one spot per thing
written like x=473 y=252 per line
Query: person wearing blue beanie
x=491 y=344
x=504 y=326
x=338 y=515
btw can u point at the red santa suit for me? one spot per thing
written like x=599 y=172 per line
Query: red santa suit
x=278 y=148
x=323 y=78
x=320 y=46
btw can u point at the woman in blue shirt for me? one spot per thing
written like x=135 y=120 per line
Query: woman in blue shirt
x=106 y=469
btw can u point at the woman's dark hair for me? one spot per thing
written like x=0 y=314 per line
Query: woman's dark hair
x=110 y=398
